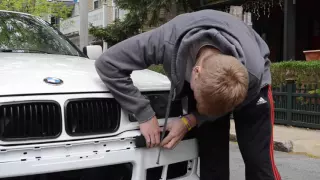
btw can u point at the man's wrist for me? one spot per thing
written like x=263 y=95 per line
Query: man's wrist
x=186 y=122
x=191 y=120
x=145 y=115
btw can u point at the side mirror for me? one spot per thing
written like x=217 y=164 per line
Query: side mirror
x=93 y=51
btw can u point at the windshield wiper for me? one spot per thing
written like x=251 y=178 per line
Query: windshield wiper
x=25 y=51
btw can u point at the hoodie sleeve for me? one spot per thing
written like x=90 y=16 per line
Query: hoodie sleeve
x=116 y=65
x=257 y=70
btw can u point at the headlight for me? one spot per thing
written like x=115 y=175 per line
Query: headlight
x=158 y=102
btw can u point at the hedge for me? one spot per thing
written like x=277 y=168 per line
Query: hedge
x=304 y=72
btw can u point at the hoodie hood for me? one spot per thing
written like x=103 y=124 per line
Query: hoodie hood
x=224 y=32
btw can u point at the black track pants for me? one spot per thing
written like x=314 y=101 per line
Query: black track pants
x=254 y=127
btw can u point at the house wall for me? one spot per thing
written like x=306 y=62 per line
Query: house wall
x=71 y=26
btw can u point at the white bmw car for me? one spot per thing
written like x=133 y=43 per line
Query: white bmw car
x=58 y=120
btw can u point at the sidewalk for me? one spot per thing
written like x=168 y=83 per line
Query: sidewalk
x=290 y=139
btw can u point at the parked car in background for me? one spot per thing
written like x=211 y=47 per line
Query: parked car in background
x=58 y=120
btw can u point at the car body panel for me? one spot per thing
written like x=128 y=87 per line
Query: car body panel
x=22 y=78
x=24 y=73
x=66 y=156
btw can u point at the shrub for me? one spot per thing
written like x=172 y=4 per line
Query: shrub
x=304 y=72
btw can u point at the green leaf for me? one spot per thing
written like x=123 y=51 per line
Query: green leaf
x=143 y=14
x=304 y=72
x=37 y=7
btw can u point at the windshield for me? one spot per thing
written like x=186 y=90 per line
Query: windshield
x=28 y=34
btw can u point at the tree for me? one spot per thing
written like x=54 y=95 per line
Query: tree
x=37 y=7
x=143 y=14
x=119 y=30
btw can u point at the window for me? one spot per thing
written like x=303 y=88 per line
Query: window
x=117 y=13
x=95 y=4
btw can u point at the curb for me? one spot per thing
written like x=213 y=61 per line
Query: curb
x=282 y=146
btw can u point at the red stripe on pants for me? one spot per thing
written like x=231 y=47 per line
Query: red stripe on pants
x=274 y=168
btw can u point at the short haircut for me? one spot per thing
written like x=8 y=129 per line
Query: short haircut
x=222 y=84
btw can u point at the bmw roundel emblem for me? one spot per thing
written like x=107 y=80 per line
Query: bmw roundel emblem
x=53 y=80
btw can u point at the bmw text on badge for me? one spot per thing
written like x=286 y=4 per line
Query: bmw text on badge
x=53 y=81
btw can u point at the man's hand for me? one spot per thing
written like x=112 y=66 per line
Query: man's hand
x=177 y=131
x=151 y=132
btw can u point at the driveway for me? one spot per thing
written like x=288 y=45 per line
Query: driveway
x=291 y=167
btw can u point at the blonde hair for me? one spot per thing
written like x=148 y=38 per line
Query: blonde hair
x=222 y=83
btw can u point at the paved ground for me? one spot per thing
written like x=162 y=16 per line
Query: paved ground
x=290 y=139
x=291 y=167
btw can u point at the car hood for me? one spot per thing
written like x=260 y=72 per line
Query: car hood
x=24 y=73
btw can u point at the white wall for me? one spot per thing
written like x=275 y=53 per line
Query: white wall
x=72 y=25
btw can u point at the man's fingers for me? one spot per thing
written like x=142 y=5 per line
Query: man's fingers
x=147 y=138
x=153 y=140
x=167 y=139
x=157 y=138
x=177 y=142
x=172 y=143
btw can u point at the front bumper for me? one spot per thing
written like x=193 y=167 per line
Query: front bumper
x=65 y=156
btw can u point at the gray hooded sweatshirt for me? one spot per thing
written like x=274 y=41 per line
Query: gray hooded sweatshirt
x=175 y=45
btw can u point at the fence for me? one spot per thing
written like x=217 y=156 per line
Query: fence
x=297 y=105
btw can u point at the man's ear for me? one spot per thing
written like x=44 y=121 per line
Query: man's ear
x=196 y=70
